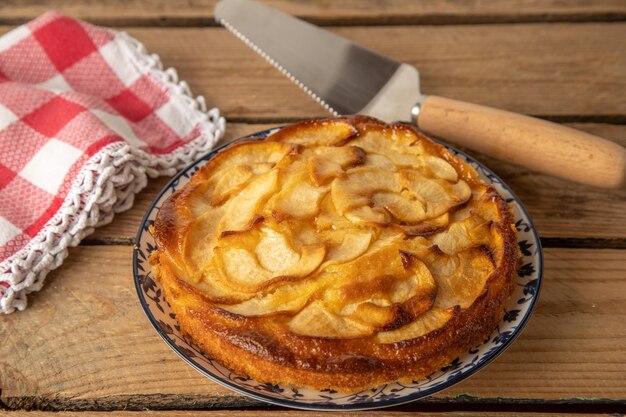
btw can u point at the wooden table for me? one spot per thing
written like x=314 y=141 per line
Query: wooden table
x=84 y=344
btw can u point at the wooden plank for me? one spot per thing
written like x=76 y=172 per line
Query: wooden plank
x=162 y=12
x=558 y=208
x=84 y=342
x=555 y=70
x=284 y=413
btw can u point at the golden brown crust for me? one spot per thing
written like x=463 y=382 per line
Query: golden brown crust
x=273 y=346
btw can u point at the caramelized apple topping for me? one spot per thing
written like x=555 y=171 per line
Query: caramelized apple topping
x=339 y=230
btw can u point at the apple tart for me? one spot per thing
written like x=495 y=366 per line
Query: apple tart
x=340 y=253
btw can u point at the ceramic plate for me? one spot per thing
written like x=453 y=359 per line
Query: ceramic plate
x=517 y=312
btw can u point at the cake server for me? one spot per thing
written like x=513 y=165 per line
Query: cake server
x=347 y=78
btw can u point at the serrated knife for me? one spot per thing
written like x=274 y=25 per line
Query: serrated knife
x=347 y=78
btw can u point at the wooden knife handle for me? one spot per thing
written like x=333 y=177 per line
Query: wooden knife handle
x=536 y=144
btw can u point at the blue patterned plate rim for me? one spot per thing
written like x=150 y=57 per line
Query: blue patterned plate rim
x=488 y=358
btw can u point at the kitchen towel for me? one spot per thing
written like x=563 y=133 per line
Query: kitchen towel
x=86 y=115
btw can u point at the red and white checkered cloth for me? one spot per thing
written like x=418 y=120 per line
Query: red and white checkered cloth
x=85 y=115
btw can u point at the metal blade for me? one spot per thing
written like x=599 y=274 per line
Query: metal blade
x=344 y=77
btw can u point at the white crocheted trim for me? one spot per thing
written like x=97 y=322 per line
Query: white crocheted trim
x=106 y=185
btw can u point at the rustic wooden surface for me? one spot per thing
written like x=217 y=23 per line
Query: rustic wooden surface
x=84 y=345
x=84 y=342
x=556 y=70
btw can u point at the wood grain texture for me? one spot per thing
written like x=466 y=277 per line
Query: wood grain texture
x=84 y=342
x=560 y=209
x=200 y=12
x=555 y=70
x=526 y=141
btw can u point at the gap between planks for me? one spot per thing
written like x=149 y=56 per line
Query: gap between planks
x=614 y=119
x=282 y=412
x=179 y=406
x=393 y=20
